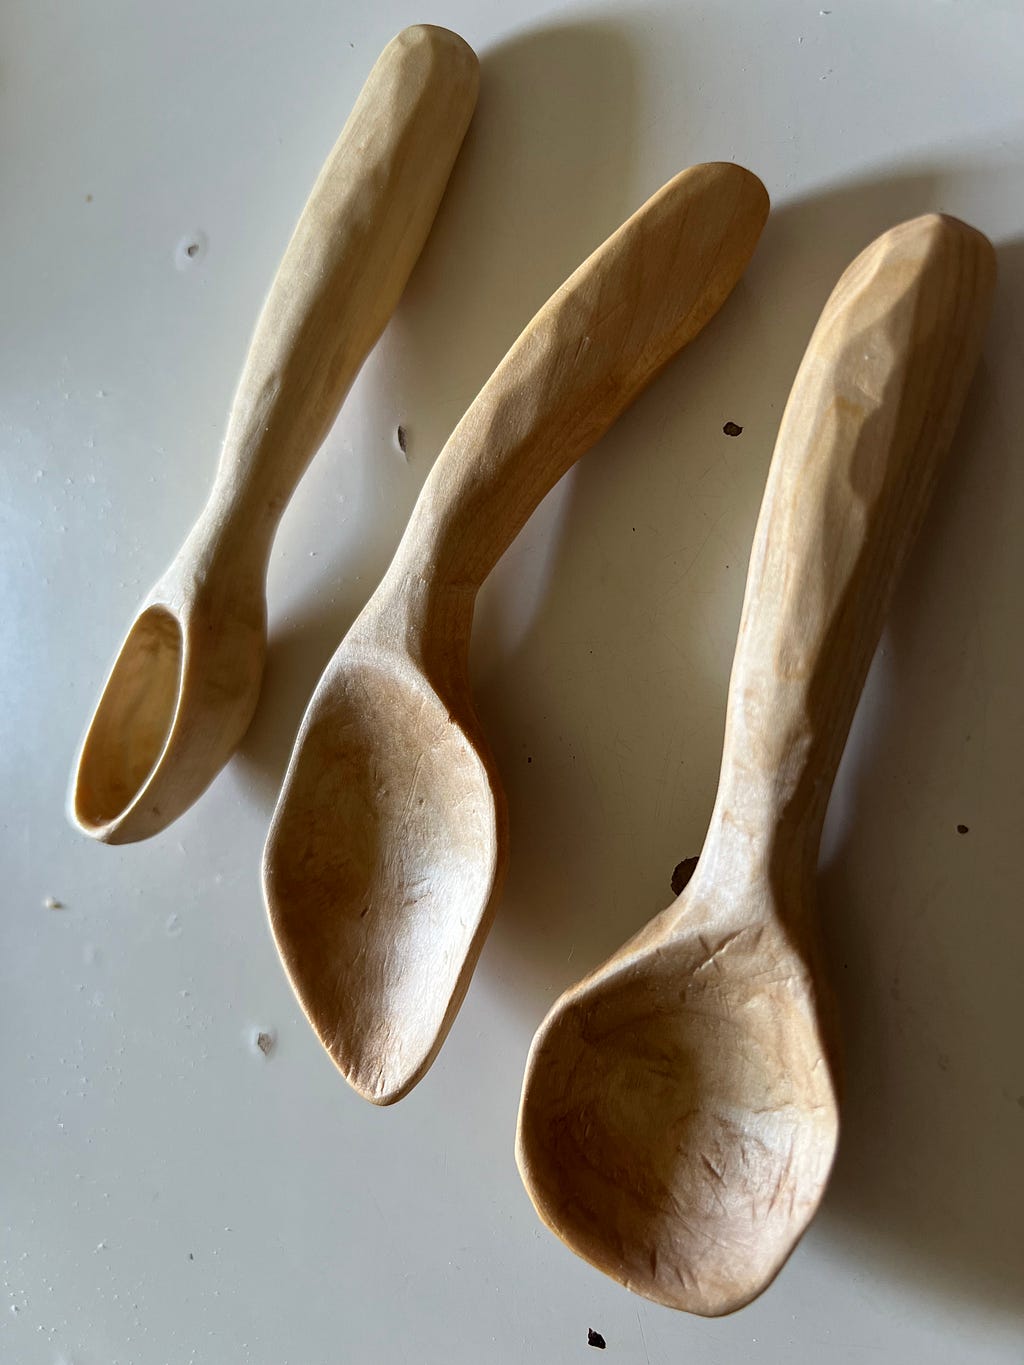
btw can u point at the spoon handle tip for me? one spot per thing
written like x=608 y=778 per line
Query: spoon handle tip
x=869 y=419
x=593 y=347
x=359 y=236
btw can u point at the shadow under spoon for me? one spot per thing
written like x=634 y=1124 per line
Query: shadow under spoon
x=679 y=1115
x=389 y=839
x=184 y=687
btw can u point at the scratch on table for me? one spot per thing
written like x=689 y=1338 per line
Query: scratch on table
x=643 y=1336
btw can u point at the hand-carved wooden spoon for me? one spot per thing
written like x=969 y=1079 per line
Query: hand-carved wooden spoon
x=185 y=684
x=389 y=838
x=678 y=1117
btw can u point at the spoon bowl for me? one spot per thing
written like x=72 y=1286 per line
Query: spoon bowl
x=410 y=862
x=710 y=1137
x=178 y=700
x=133 y=719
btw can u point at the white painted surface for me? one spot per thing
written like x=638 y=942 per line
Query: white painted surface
x=169 y=1193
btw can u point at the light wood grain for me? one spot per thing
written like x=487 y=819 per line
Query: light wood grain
x=185 y=684
x=679 y=1112
x=389 y=840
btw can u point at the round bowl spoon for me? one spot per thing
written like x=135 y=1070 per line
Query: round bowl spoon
x=679 y=1116
x=389 y=838
x=185 y=684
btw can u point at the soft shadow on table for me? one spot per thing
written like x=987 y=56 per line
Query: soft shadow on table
x=542 y=179
x=610 y=739
x=611 y=743
x=921 y=886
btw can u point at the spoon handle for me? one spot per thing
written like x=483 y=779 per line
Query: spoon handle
x=594 y=345
x=348 y=261
x=869 y=418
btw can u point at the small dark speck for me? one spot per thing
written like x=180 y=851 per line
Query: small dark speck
x=595 y=1339
x=529 y=760
x=191 y=1257
x=364 y=912
x=88 y=198
x=963 y=829
x=682 y=873
x=731 y=429
x=192 y=249
x=265 y=1043
x=403 y=444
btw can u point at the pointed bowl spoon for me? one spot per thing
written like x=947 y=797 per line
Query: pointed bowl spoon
x=389 y=838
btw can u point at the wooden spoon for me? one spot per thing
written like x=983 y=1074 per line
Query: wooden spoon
x=185 y=684
x=389 y=839
x=679 y=1116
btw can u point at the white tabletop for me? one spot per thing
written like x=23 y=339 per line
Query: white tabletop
x=170 y=1193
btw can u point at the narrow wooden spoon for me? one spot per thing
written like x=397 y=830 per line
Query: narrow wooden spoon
x=185 y=684
x=679 y=1116
x=389 y=839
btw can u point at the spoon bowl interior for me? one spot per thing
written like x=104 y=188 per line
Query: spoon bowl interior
x=381 y=867
x=678 y=1120
x=133 y=720
x=178 y=699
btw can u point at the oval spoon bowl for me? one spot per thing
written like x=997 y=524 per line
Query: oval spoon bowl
x=178 y=700
x=132 y=722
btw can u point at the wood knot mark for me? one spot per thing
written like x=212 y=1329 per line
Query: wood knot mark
x=682 y=873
